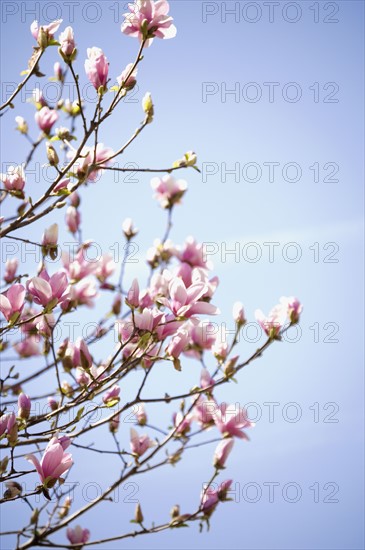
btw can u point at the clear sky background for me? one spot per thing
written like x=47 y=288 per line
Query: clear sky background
x=313 y=52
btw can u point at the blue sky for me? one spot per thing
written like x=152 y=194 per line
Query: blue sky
x=317 y=140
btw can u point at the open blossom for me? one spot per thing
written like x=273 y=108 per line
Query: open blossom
x=84 y=170
x=97 y=67
x=205 y=379
x=45 y=118
x=182 y=422
x=79 y=266
x=11 y=266
x=24 y=406
x=222 y=452
x=67 y=42
x=78 y=535
x=210 y=497
x=44 y=33
x=293 y=308
x=12 y=302
x=274 y=322
x=184 y=302
x=83 y=293
x=193 y=254
x=111 y=395
x=168 y=191
x=128 y=81
x=149 y=319
x=178 y=343
x=28 y=347
x=53 y=464
x=230 y=420
x=148 y=19
x=14 y=179
x=140 y=443
x=105 y=267
x=49 y=291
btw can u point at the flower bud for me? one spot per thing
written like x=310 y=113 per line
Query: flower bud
x=128 y=229
x=4 y=464
x=114 y=424
x=175 y=511
x=230 y=367
x=148 y=107
x=24 y=406
x=22 y=125
x=138 y=516
x=238 y=314
x=53 y=404
x=13 y=489
x=52 y=155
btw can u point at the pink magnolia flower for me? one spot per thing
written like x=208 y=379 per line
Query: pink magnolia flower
x=80 y=354
x=97 y=67
x=38 y=99
x=28 y=347
x=168 y=191
x=49 y=291
x=193 y=254
x=222 y=452
x=202 y=336
x=67 y=41
x=148 y=319
x=7 y=423
x=11 y=266
x=141 y=415
x=12 y=302
x=148 y=19
x=293 y=308
x=133 y=294
x=181 y=424
x=82 y=293
x=73 y=219
x=24 y=406
x=44 y=33
x=210 y=496
x=53 y=464
x=58 y=72
x=178 y=343
x=14 y=179
x=80 y=266
x=78 y=535
x=206 y=380
x=273 y=323
x=128 y=82
x=44 y=324
x=105 y=267
x=204 y=411
x=63 y=185
x=184 y=302
x=111 y=395
x=45 y=118
x=230 y=420
x=84 y=170
x=140 y=443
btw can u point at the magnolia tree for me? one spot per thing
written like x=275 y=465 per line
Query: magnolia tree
x=158 y=325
